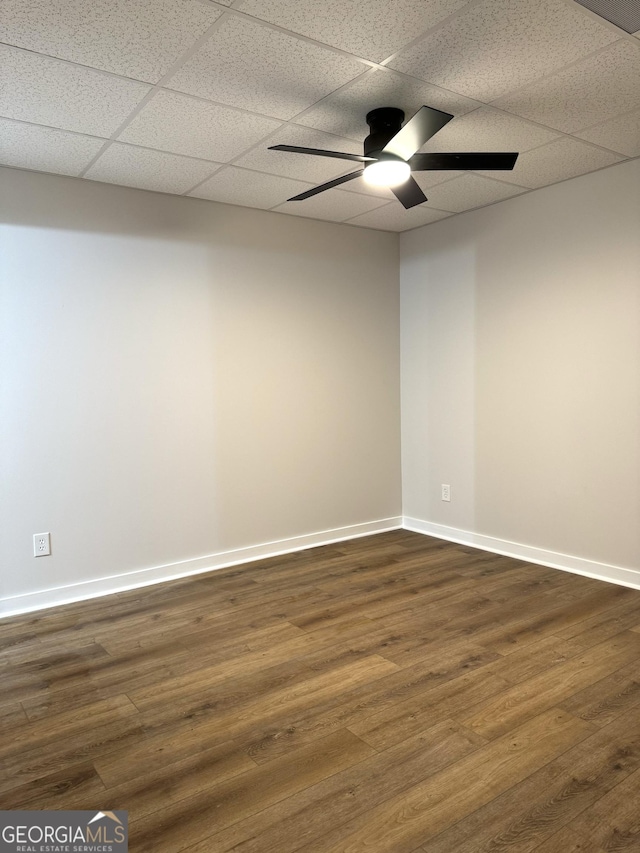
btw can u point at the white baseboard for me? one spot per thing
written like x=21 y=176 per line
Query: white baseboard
x=42 y=599
x=565 y=562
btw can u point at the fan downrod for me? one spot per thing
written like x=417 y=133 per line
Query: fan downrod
x=384 y=122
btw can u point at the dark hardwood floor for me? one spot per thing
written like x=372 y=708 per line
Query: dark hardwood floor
x=390 y=694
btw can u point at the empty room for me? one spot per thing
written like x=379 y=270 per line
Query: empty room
x=320 y=426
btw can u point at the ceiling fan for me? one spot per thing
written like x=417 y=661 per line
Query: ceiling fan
x=390 y=154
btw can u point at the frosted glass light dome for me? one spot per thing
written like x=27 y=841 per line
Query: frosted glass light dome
x=387 y=173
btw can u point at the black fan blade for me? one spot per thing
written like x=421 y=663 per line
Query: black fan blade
x=320 y=152
x=424 y=162
x=329 y=185
x=409 y=194
x=421 y=127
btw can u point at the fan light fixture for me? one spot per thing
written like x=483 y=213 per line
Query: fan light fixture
x=390 y=155
x=387 y=173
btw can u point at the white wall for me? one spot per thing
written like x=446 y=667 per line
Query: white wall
x=521 y=374
x=183 y=383
x=182 y=379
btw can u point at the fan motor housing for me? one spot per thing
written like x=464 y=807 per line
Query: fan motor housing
x=384 y=122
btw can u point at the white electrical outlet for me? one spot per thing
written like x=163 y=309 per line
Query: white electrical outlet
x=446 y=492
x=41 y=544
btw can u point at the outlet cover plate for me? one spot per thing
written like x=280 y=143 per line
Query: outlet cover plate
x=41 y=544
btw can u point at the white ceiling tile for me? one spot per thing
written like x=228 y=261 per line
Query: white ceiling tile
x=249 y=189
x=488 y=130
x=344 y=112
x=30 y=146
x=468 y=191
x=183 y=125
x=302 y=166
x=135 y=38
x=257 y=68
x=334 y=205
x=394 y=217
x=591 y=91
x=373 y=29
x=434 y=177
x=148 y=170
x=557 y=161
x=47 y=91
x=499 y=45
x=619 y=134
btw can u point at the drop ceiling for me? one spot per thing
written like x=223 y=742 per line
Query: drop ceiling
x=185 y=96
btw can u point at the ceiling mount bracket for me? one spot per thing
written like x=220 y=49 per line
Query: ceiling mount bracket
x=384 y=123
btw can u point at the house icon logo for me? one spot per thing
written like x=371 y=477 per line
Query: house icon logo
x=110 y=815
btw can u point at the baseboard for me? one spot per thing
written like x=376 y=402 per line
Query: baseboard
x=158 y=574
x=565 y=562
x=43 y=599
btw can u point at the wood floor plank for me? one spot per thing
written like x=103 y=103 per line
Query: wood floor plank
x=482 y=564
x=510 y=588
x=488 y=622
x=223 y=624
x=44 y=760
x=374 y=602
x=568 y=841
x=547 y=689
x=57 y=653
x=428 y=688
x=207 y=679
x=531 y=811
x=234 y=713
x=12 y=716
x=556 y=619
x=161 y=752
x=415 y=816
x=386 y=725
x=70 y=788
x=189 y=821
x=68 y=724
x=285 y=731
x=49 y=703
x=603 y=625
x=607 y=699
x=534 y=659
x=303 y=818
x=614 y=821
x=237 y=697
x=166 y=783
x=263 y=638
